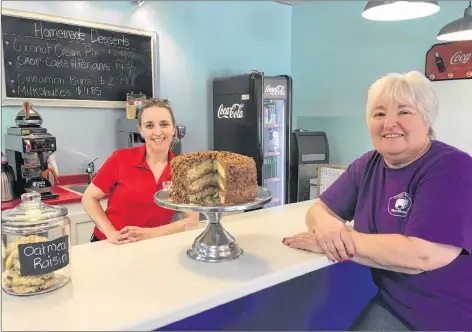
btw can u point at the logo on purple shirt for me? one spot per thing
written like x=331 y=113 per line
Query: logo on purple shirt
x=399 y=205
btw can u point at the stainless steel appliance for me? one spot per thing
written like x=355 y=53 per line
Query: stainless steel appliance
x=252 y=116
x=8 y=182
x=28 y=155
x=28 y=117
x=27 y=149
x=308 y=150
x=128 y=135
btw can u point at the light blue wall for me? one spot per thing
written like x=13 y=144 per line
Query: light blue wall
x=337 y=54
x=332 y=53
x=198 y=41
x=347 y=135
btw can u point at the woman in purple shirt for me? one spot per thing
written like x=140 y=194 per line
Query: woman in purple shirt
x=411 y=202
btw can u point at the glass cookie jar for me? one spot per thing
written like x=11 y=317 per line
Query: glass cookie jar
x=35 y=247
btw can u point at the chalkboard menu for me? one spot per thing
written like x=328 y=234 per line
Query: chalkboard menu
x=65 y=62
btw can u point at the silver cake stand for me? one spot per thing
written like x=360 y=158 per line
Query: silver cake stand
x=215 y=244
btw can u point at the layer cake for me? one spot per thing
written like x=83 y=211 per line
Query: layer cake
x=213 y=178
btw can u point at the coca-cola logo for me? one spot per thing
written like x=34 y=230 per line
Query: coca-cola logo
x=278 y=90
x=232 y=112
x=460 y=57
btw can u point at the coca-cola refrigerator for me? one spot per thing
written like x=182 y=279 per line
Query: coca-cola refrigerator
x=252 y=116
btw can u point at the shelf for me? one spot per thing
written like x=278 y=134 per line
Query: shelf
x=275 y=179
x=271 y=154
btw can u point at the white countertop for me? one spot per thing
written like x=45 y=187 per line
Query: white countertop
x=149 y=284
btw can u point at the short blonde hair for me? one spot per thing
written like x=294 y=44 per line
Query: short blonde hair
x=412 y=88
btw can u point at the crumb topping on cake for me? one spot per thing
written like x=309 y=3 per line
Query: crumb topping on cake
x=213 y=177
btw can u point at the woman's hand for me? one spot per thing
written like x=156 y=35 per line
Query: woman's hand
x=113 y=237
x=331 y=233
x=116 y=237
x=304 y=241
x=134 y=233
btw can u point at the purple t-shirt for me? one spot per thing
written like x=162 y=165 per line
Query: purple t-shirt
x=429 y=199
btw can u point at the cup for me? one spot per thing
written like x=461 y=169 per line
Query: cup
x=166 y=184
x=131 y=112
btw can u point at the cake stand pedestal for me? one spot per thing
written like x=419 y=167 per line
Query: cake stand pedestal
x=215 y=244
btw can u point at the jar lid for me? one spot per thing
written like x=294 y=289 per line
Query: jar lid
x=32 y=211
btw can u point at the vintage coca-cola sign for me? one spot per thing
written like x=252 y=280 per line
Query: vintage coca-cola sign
x=449 y=61
x=232 y=112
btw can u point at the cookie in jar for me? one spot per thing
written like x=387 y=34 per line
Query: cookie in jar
x=35 y=247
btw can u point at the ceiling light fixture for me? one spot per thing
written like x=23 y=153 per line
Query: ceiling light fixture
x=460 y=29
x=137 y=2
x=399 y=10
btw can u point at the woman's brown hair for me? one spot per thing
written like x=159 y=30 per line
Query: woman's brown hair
x=156 y=102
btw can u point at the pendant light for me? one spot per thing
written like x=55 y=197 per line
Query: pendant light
x=399 y=10
x=138 y=3
x=460 y=29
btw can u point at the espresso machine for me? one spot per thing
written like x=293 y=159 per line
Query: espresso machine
x=128 y=135
x=28 y=147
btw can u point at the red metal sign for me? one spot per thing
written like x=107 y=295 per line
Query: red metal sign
x=449 y=61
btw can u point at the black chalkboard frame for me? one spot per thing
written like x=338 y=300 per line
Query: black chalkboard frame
x=154 y=39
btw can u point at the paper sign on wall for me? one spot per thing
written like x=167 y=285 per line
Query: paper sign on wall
x=327 y=175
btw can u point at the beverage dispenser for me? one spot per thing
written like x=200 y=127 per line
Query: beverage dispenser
x=28 y=147
x=308 y=150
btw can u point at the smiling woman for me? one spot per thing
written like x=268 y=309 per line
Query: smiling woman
x=131 y=177
x=400 y=114
x=410 y=202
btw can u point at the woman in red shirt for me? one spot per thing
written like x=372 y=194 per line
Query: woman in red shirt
x=131 y=177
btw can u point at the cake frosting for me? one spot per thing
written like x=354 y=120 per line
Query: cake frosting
x=213 y=177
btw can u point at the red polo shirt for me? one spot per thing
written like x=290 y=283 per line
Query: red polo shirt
x=131 y=186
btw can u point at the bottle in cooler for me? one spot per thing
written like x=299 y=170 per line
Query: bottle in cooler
x=274 y=167
x=273 y=139
x=266 y=111
x=266 y=168
x=272 y=114
x=266 y=114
